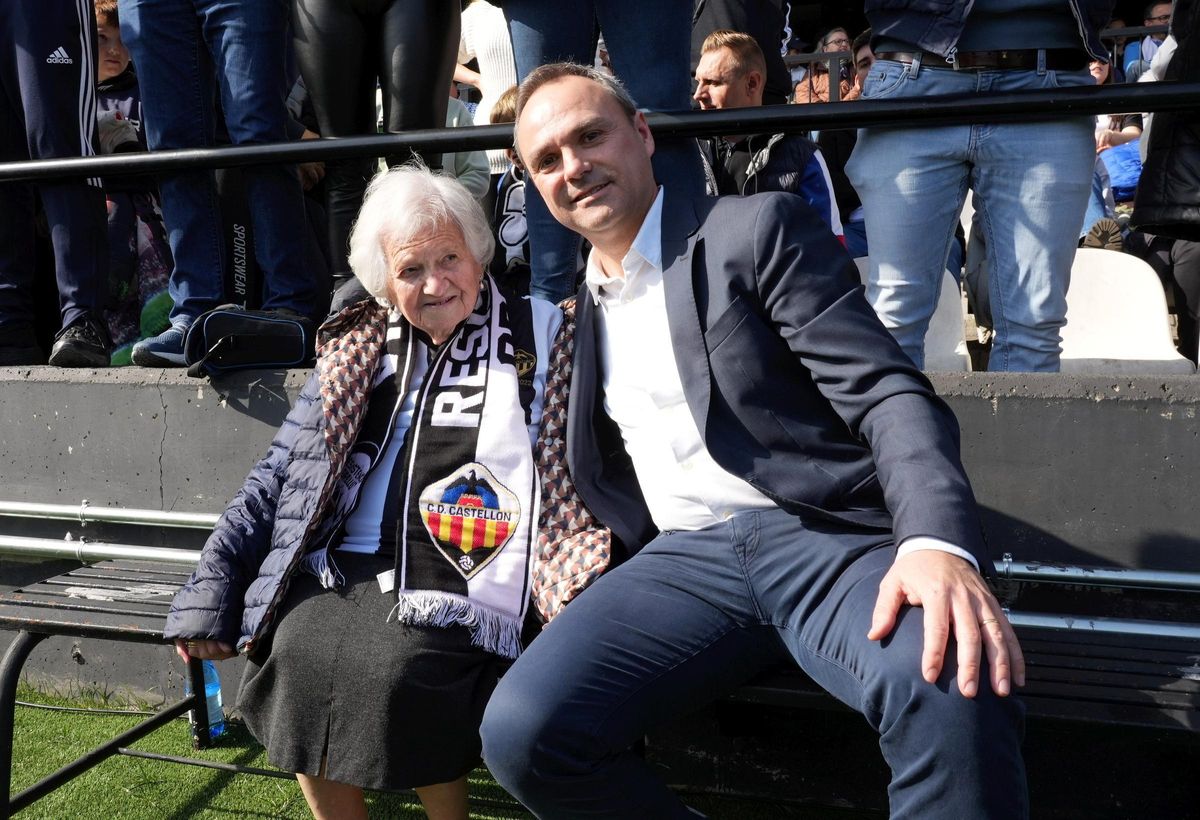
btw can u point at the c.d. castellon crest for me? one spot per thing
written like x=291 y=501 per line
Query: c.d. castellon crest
x=470 y=516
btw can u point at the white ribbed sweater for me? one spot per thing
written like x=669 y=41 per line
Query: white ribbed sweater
x=485 y=37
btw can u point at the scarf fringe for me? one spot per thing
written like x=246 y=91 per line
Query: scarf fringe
x=490 y=630
x=321 y=565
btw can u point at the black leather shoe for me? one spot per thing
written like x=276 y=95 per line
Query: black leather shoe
x=84 y=344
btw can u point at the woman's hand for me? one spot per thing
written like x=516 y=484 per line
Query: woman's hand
x=204 y=650
x=1109 y=138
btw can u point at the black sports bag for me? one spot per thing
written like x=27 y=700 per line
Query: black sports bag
x=230 y=338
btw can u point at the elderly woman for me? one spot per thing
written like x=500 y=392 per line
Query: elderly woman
x=375 y=566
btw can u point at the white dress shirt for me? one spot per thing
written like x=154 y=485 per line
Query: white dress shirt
x=684 y=488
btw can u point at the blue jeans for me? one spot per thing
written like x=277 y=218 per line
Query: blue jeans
x=695 y=614
x=1032 y=182
x=1100 y=200
x=649 y=44
x=179 y=46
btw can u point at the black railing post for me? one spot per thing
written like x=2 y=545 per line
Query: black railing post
x=10 y=675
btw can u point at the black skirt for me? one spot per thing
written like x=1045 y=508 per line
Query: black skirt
x=390 y=706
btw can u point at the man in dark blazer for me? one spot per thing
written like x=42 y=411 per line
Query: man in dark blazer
x=780 y=482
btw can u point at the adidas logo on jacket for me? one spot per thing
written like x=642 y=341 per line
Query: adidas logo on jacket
x=60 y=57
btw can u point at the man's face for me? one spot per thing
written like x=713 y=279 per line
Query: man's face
x=864 y=58
x=588 y=159
x=1160 y=15
x=721 y=82
x=113 y=56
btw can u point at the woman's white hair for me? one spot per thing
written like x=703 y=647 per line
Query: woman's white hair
x=401 y=205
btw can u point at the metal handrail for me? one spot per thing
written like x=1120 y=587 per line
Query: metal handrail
x=84 y=513
x=908 y=112
x=90 y=551
x=1132 y=31
x=816 y=57
x=1009 y=569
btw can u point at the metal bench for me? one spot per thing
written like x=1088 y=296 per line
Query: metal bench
x=1102 y=645
x=1112 y=697
x=120 y=600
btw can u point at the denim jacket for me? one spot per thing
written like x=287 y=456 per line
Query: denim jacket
x=936 y=25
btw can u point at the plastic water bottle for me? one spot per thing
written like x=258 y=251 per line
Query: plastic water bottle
x=212 y=699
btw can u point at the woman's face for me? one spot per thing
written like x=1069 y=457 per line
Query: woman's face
x=836 y=40
x=1099 y=70
x=434 y=280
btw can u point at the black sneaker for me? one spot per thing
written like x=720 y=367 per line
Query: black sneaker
x=84 y=344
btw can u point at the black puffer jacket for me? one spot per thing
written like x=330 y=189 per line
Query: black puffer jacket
x=1167 y=202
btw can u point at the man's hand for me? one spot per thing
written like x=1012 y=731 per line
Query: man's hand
x=951 y=592
x=204 y=650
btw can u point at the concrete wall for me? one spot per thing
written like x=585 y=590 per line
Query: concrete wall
x=127 y=438
x=1083 y=470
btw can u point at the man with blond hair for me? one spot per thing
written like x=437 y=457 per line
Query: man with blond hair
x=731 y=74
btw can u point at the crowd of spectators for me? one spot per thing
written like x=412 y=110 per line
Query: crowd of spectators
x=790 y=421
x=181 y=243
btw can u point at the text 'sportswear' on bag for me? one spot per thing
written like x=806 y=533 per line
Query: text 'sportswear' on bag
x=229 y=338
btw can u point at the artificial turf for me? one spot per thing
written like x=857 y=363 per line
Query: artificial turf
x=139 y=789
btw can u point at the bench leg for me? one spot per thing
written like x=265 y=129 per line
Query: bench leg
x=10 y=674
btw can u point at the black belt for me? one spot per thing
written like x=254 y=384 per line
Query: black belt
x=1057 y=59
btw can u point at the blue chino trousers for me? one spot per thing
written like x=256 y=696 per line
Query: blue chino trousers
x=695 y=614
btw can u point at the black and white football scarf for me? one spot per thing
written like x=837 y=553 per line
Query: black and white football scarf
x=465 y=488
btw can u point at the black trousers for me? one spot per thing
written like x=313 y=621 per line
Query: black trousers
x=1177 y=263
x=48 y=109
x=345 y=48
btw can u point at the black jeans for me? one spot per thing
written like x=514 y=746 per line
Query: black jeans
x=344 y=47
x=1177 y=263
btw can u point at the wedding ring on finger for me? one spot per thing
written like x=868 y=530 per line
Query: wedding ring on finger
x=987 y=621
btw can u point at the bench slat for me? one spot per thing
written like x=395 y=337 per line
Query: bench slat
x=1171 y=667
x=1165 y=678
x=148 y=610
x=1103 y=692
x=98 y=573
x=133 y=591
x=55 y=621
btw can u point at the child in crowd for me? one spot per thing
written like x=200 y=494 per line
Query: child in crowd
x=511 y=262
x=139 y=263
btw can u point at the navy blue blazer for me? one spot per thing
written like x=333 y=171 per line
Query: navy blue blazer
x=793 y=382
